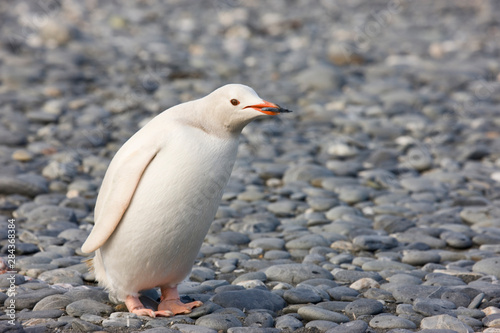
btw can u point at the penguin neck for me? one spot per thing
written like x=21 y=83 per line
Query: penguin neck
x=212 y=123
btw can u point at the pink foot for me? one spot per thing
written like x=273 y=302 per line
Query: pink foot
x=170 y=302
x=135 y=306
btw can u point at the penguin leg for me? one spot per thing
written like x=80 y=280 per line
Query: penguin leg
x=171 y=302
x=134 y=305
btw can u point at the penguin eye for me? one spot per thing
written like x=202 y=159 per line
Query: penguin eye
x=235 y=101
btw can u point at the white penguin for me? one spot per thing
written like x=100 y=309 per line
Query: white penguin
x=161 y=192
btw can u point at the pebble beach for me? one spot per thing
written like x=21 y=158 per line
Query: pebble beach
x=373 y=207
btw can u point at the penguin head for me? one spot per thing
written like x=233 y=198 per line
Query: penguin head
x=235 y=105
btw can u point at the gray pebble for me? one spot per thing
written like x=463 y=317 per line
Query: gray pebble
x=185 y=328
x=218 y=321
x=53 y=302
x=259 y=319
x=268 y=243
x=445 y=322
x=305 y=173
x=387 y=321
x=489 y=266
x=364 y=307
x=29 y=185
x=342 y=293
x=306 y=242
x=62 y=275
x=296 y=273
x=321 y=325
x=355 y=326
x=301 y=296
x=420 y=258
x=29 y=299
x=88 y=306
x=249 y=299
x=374 y=243
x=288 y=322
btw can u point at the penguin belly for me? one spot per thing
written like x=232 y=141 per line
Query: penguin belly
x=160 y=234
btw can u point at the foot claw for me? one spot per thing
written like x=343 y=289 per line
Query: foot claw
x=164 y=313
x=144 y=312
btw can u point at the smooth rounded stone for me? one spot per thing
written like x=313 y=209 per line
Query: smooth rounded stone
x=88 y=306
x=490 y=266
x=439 y=279
x=305 y=173
x=228 y=237
x=53 y=302
x=340 y=212
x=74 y=234
x=321 y=325
x=364 y=306
x=379 y=294
x=296 y=273
x=392 y=224
x=28 y=300
x=381 y=264
x=301 y=296
x=257 y=223
x=250 y=299
x=48 y=213
x=409 y=293
x=404 y=279
x=253 y=330
x=251 y=195
x=349 y=276
x=342 y=293
x=62 y=275
x=201 y=274
x=353 y=194
x=29 y=185
x=288 y=322
x=317 y=313
x=259 y=319
x=314 y=259
x=387 y=321
x=475 y=324
x=355 y=326
x=421 y=184
x=432 y=307
x=6 y=280
x=321 y=204
x=456 y=240
x=492 y=320
x=282 y=208
x=268 y=243
x=343 y=258
x=129 y=323
x=261 y=276
x=480 y=215
x=92 y=318
x=307 y=242
x=445 y=322
x=411 y=237
x=186 y=328
x=420 y=258
x=374 y=242
x=276 y=255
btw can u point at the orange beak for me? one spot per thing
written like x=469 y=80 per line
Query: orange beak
x=268 y=108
